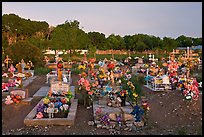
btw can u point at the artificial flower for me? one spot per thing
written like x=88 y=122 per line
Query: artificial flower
x=46 y=100
x=39 y=115
x=82 y=67
x=88 y=88
x=59 y=65
x=135 y=95
x=90 y=92
x=111 y=66
x=86 y=83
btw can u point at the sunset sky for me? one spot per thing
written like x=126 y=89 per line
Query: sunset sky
x=170 y=19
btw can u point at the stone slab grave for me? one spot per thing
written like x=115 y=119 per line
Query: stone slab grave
x=25 y=83
x=28 y=81
x=42 y=92
x=24 y=94
x=30 y=119
x=110 y=111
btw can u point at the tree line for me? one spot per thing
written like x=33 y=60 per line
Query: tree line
x=38 y=36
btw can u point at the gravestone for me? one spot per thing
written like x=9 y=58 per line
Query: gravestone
x=140 y=61
x=24 y=94
x=59 y=86
x=19 y=92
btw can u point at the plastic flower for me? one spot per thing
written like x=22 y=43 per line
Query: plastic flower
x=90 y=93
x=88 y=88
x=46 y=100
x=135 y=95
x=123 y=93
x=145 y=105
x=101 y=76
x=129 y=83
x=111 y=66
x=60 y=65
x=128 y=76
x=65 y=106
x=39 y=115
x=81 y=81
x=8 y=100
x=86 y=83
x=81 y=67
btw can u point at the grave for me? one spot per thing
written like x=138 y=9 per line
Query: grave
x=30 y=119
x=42 y=92
x=24 y=94
x=111 y=110
x=28 y=81
x=52 y=76
x=57 y=90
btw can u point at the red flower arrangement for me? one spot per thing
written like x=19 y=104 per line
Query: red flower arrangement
x=111 y=66
x=123 y=93
x=16 y=98
x=60 y=65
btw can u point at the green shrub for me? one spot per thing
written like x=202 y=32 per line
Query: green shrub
x=96 y=67
x=75 y=71
x=41 y=71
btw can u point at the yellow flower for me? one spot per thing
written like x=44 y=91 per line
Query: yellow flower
x=46 y=100
x=81 y=67
x=135 y=95
x=101 y=76
x=129 y=83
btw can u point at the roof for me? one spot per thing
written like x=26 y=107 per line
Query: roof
x=192 y=48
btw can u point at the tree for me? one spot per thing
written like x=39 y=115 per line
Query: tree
x=141 y=46
x=25 y=50
x=169 y=44
x=92 y=51
x=184 y=41
x=68 y=36
x=19 y=29
x=115 y=42
x=98 y=39
x=197 y=41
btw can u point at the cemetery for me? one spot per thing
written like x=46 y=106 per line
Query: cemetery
x=63 y=81
x=111 y=90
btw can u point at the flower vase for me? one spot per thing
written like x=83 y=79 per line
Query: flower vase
x=123 y=99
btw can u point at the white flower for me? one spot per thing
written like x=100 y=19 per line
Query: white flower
x=65 y=106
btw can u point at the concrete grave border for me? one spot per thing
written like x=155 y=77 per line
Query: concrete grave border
x=30 y=119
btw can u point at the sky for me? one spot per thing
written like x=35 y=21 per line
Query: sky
x=160 y=19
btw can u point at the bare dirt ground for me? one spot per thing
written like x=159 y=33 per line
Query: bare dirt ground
x=169 y=114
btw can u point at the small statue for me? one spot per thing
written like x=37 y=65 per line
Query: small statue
x=23 y=65
x=31 y=64
x=7 y=61
x=112 y=77
x=84 y=56
x=51 y=110
x=19 y=67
